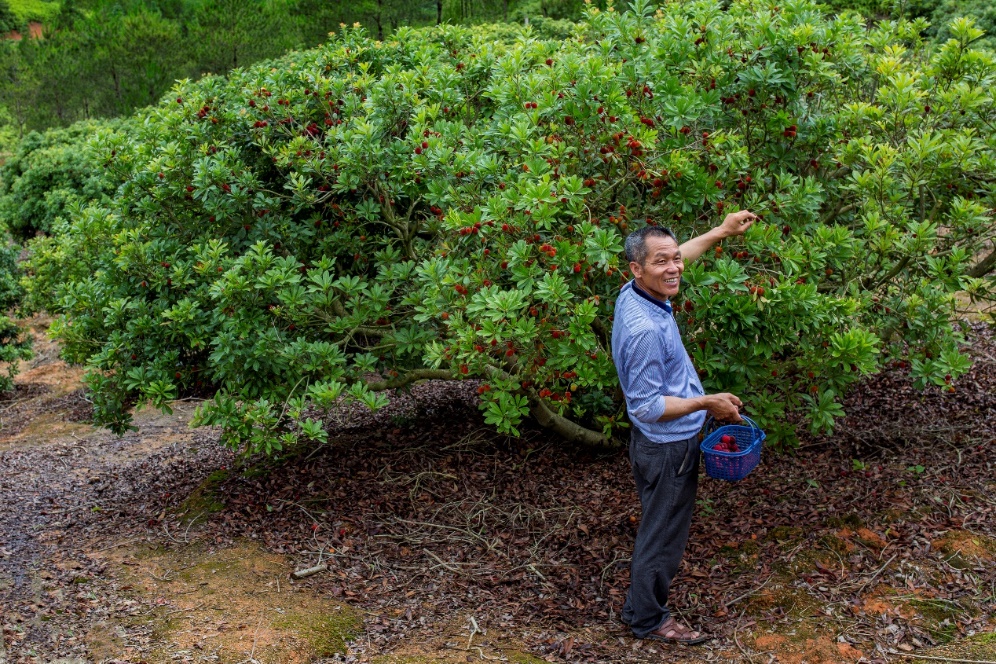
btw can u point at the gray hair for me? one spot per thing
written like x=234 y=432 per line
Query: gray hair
x=636 y=242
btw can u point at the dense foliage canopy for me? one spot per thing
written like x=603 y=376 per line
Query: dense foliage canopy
x=443 y=204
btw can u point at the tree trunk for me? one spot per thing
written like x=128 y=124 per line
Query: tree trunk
x=377 y=18
x=59 y=111
x=117 y=87
x=439 y=12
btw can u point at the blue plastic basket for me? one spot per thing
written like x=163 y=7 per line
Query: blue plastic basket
x=733 y=466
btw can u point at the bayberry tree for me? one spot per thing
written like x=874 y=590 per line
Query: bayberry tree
x=348 y=220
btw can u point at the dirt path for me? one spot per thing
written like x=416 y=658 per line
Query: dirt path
x=444 y=543
x=54 y=500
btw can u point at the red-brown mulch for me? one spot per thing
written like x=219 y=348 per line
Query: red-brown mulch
x=424 y=513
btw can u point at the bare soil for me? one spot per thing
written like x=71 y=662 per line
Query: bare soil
x=447 y=543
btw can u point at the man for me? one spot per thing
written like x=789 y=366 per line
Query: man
x=667 y=406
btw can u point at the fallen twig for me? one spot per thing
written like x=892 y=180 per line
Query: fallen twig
x=443 y=563
x=736 y=639
x=746 y=594
x=310 y=571
x=473 y=630
x=944 y=659
x=875 y=575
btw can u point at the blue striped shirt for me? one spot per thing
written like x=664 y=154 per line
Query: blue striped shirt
x=652 y=363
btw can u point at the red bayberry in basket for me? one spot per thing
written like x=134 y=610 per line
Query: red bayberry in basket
x=727 y=443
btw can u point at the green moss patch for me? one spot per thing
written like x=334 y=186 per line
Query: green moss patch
x=206 y=498
x=794 y=602
x=228 y=601
x=326 y=632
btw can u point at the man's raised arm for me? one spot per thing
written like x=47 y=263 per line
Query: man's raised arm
x=735 y=223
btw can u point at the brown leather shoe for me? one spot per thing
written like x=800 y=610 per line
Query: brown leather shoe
x=673 y=631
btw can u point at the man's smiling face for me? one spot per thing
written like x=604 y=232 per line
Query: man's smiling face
x=660 y=274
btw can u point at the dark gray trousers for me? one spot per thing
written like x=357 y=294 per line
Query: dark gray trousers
x=667 y=476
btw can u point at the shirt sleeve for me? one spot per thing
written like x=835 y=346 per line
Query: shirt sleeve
x=645 y=391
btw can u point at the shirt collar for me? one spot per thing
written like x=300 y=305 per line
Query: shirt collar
x=666 y=305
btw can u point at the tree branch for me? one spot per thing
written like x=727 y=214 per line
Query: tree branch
x=899 y=267
x=410 y=377
x=599 y=329
x=984 y=267
x=372 y=331
x=896 y=269
x=572 y=431
x=838 y=211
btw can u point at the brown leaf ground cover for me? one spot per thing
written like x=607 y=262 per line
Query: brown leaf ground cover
x=445 y=542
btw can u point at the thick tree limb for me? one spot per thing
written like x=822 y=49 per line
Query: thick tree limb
x=546 y=418
x=410 y=377
x=984 y=267
x=564 y=427
x=896 y=269
x=839 y=173
x=598 y=327
x=373 y=331
x=841 y=209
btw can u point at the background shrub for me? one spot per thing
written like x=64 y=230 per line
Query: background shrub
x=8 y=20
x=48 y=172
